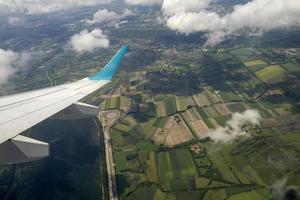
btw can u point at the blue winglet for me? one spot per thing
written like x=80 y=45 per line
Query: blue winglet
x=111 y=67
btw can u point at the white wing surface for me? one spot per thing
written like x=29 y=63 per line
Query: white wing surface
x=22 y=111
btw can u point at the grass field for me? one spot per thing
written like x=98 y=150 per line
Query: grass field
x=190 y=195
x=161 y=122
x=183 y=163
x=255 y=65
x=165 y=167
x=112 y=103
x=151 y=172
x=270 y=72
x=201 y=182
x=236 y=107
x=249 y=196
x=146 y=146
x=117 y=138
x=242 y=54
x=219 y=162
x=292 y=66
x=230 y=96
x=121 y=160
x=219 y=194
x=170 y=105
x=145 y=193
x=148 y=128
x=123 y=127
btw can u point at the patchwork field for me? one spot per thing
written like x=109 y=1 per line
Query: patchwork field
x=270 y=72
x=162 y=149
x=255 y=65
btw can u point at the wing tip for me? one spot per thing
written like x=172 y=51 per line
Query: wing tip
x=112 y=66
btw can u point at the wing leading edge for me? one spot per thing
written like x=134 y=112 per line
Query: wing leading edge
x=22 y=111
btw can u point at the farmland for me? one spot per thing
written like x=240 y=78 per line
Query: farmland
x=162 y=149
x=270 y=72
x=179 y=101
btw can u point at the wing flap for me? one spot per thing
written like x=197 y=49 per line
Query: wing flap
x=22 y=149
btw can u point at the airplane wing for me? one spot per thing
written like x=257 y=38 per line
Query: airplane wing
x=22 y=111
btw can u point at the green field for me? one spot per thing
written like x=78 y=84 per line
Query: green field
x=112 y=103
x=292 y=66
x=270 y=72
x=170 y=104
x=165 y=166
x=161 y=122
x=249 y=196
x=172 y=95
x=240 y=169
x=152 y=173
x=255 y=65
x=146 y=146
x=117 y=138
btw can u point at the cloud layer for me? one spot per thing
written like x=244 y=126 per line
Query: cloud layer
x=44 y=6
x=234 y=127
x=255 y=16
x=11 y=62
x=143 y=2
x=87 y=41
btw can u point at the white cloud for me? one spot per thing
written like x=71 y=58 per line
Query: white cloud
x=172 y=7
x=111 y=17
x=11 y=62
x=255 y=16
x=87 y=41
x=44 y=6
x=234 y=127
x=104 y=16
x=143 y=2
x=189 y=22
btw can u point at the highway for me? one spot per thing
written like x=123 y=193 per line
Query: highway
x=107 y=123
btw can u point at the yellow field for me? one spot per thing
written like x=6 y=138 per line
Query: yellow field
x=201 y=100
x=182 y=103
x=173 y=133
x=254 y=63
x=222 y=109
x=270 y=72
x=200 y=128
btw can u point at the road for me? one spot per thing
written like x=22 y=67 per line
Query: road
x=107 y=123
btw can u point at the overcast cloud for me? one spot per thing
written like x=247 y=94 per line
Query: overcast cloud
x=88 y=41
